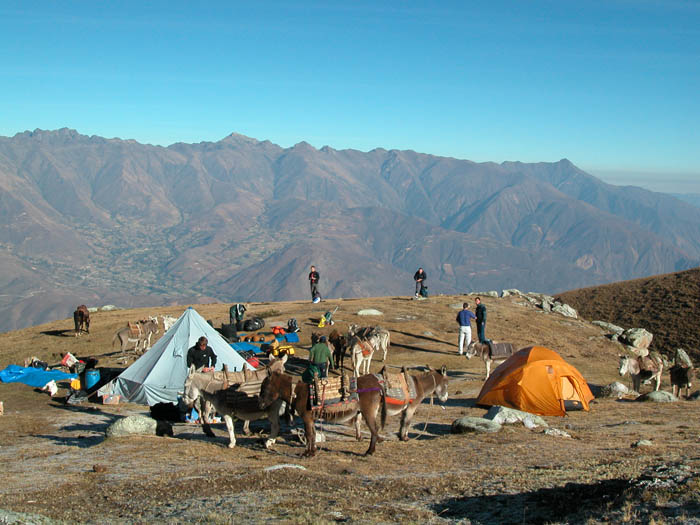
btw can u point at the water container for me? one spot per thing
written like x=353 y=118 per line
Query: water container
x=92 y=377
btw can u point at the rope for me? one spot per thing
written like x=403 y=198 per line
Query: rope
x=427 y=419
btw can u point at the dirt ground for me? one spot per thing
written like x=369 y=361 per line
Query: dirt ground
x=58 y=465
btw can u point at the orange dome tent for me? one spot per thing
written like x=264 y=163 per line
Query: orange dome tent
x=536 y=380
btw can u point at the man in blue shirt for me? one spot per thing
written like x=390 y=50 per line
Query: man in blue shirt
x=464 y=319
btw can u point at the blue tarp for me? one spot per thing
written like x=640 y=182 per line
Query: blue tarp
x=35 y=377
x=244 y=346
x=292 y=337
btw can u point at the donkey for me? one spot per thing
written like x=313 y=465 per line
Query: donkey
x=426 y=384
x=379 y=337
x=168 y=322
x=483 y=351
x=148 y=329
x=338 y=344
x=81 y=319
x=682 y=372
x=280 y=386
x=648 y=368
x=361 y=351
x=198 y=387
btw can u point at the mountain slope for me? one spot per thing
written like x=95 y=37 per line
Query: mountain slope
x=89 y=217
x=666 y=305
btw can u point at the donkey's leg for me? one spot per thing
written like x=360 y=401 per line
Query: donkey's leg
x=273 y=415
x=487 y=362
x=231 y=434
x=246 y=427
x=371 y=421
x=658 y=381
x=203 y=410
x=406 y=418
x=310 y=432
x=357 y=420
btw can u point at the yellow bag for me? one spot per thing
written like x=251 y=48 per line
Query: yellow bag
x=75 y=384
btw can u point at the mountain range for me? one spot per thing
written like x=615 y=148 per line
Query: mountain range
x=95 y=220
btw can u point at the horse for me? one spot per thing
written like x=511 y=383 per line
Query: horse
x=426 y=384
x=146 y=330
x=280 y=386
x=81 y=318
x=642 y=368
x=484 y=352
x=231 y=402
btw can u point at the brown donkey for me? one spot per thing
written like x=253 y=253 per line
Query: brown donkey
x=371 y=400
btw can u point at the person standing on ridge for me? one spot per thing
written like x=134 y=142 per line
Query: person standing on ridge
x=420 y=277
x=464 y=319
x=313 y=281
x=480 y=320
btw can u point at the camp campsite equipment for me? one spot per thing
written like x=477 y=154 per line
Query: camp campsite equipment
x=327 y=318
x=277 y=349
x=158 y=375
x=536 y=380
x=92 y=377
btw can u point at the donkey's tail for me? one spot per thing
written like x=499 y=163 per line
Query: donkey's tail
x=114 y=338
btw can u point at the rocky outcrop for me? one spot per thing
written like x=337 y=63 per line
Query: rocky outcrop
x=637 y=338
x=565 y=310
x=505 y=415
x=658 y=396
x=138 y=425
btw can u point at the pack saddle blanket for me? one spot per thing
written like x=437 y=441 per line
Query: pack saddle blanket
x=334 y=394
x=498 y=350
x=400 y=389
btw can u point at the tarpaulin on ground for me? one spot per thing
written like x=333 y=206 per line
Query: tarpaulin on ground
x=244 y=346
x=35 y=377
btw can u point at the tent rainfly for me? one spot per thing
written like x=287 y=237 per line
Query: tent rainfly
x=159 y=374
x=536 y=380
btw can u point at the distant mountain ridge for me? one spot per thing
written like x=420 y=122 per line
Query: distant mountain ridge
x=241 y=219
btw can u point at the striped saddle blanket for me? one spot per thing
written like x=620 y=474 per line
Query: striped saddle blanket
x=400 y=389
x=333 y=394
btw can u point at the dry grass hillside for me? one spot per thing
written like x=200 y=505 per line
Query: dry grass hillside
x=58 y=464
x=667 y=305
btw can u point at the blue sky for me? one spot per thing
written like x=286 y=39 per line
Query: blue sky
x=611 y=85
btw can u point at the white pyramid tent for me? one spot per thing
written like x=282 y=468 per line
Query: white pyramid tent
x=159 y=374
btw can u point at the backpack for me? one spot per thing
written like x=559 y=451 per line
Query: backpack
x=292 y=326
x=424 y=291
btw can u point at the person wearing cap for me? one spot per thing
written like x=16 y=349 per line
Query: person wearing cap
x=201 y=356
x=320 y=357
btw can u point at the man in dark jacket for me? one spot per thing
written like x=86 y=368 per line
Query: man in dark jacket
x=420 y=277
x=201 y=356
x=480 y=320
x=313 y=281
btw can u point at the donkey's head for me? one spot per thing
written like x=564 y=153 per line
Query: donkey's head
x=272 y=389
x=191 y=391
x=471 y=350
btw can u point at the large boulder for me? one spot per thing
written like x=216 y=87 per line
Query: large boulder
x=658 y=396
x=138 y=425
x=505 y=415
x=467 y=424
x=565 y=310
x=636 y=337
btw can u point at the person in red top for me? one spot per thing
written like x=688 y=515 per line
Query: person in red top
x=313 y=281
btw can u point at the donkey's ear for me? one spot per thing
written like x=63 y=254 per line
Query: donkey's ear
x=284 y=358
x=443 y=370
x=191 y=371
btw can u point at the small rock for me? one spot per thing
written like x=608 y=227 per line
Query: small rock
x=456 y=306
x=658 y=396
x=429 y=333
x=92 y=309
x=505 y=415
x=282 y=466
x=474 y=424
x=511 y=291
x=642 y=443
x=109 y=308
x=557 y=433
x=609 y=327
x=614 y=390
x=369 y=311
